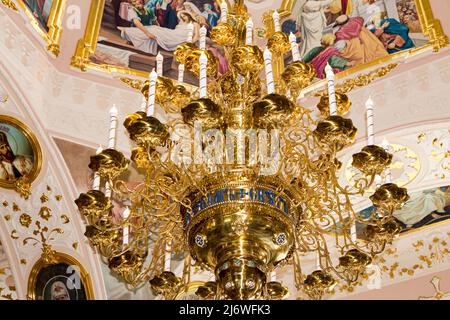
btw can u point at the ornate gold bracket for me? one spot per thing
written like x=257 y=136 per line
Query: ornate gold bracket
x=360 y=80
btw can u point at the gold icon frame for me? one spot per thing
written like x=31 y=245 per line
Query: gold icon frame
x=60 y=258
x=54 y=23
x=35 y=146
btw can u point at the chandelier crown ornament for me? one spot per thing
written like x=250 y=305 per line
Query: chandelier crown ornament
x=240 y=178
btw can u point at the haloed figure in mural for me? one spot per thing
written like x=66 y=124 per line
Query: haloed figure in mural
x=12 y=166
x=59 y=291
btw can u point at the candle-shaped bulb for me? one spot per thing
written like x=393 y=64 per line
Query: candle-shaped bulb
x=203 y=32
x=276 y=21
x=180 y=74
x=203 y=81
x=112 y=127
x=387 y=172
x=126 y=228
x=369 y=116
x=96 y=183
x=167 y=256
x=273 y=276
x=385 y=144
x=159 y=64
x=331 y=90
x=144 y=105
x=223 y=12
x=377 y=181
x=190 y=35
x=268 y=70
x=249 y=32
x=151 y=93
x=294 y=47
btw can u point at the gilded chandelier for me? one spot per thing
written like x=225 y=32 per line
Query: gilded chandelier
x=266 y=201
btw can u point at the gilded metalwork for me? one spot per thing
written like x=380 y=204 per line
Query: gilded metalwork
x=360 y=80
x=343 y=104
x=236 y=215
x=318 y=283
x=372 y=160
x=297 y=76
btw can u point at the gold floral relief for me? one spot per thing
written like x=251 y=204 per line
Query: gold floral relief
x=430 y=26
x=48 y=28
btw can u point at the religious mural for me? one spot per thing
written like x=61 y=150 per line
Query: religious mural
x=41 y=10
x=134 y=31
x=424 y=208
x=349 y=33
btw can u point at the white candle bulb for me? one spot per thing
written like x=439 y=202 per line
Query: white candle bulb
x=108 y=191
x=249 y=32
x=377 y=181
x=331 y=91
x=223 y=12
x=276 y=21
x=268 y=69
x=112 y=127
x=387 y=172
x=126 y=228
x=203 y=32
x=353 y=234
x=180 y=73
x=273 y=276
x=96 y=183
x=203 y=80
x=151 y=93
x=167 y=256
x=144 y=105
x=294 y=47
x=159 y=64
x=190 y=35
x=369 y=115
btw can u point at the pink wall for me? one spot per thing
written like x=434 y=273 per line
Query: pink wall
x=441 y=10
x=407 y=290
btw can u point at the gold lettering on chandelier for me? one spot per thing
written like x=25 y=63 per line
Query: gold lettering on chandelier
x=245 y=194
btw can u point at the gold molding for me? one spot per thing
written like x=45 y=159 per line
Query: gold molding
x=431 y=27
x=60 y=258
x=35 y=146
x=361 y=80
x=54 y=23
